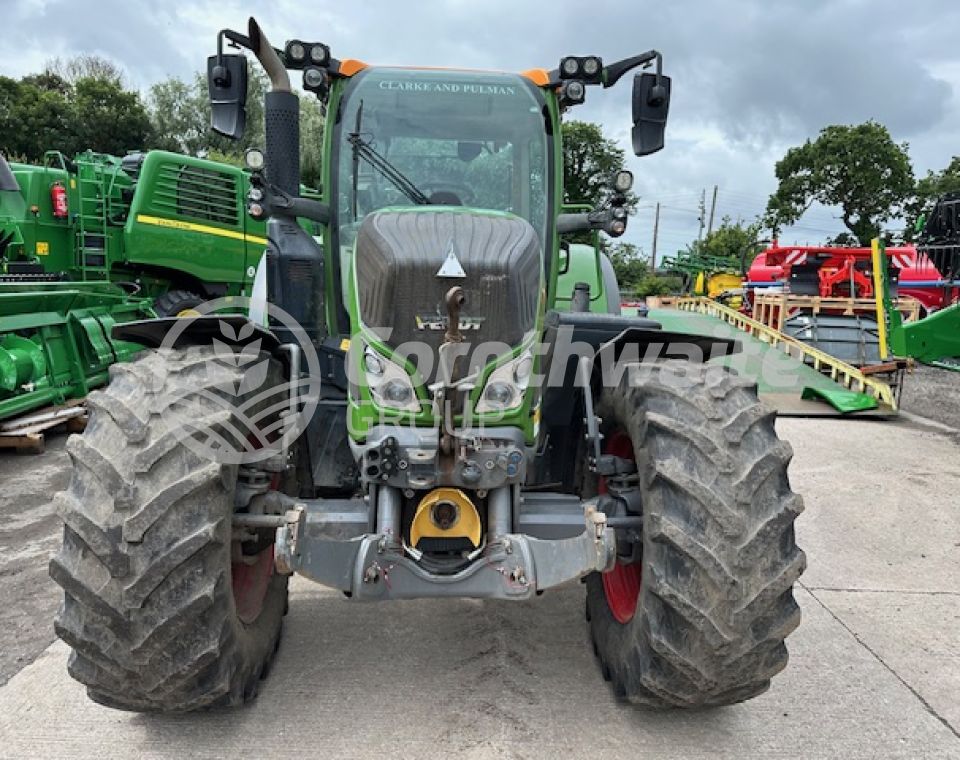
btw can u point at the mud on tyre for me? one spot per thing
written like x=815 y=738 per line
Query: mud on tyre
x=702 y=617
x=162 y=609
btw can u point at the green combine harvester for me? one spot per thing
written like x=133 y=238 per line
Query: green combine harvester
x=89 y=242
x=172 y=228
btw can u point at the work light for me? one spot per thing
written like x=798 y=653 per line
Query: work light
x=569 y=67
x=623 y=181
x=254 y=159
x=296 y=52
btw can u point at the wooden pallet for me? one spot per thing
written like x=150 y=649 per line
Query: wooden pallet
x=773 y=309
x=26 y=433
x=662 y=302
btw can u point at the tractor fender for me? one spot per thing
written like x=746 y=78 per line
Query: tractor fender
x=657 y=344
x=178 y=332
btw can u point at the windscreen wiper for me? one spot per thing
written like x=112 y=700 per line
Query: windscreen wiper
x=362 y=149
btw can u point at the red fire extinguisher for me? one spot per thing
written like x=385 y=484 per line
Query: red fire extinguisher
x=58 y=199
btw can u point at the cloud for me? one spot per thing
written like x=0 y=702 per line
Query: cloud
x=751 y=77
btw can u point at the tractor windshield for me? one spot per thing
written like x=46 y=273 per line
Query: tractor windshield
x=415 y=137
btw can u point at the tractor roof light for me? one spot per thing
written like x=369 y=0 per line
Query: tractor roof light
x=588 y=68
x=572 y=93
x=316 y=81
x=319 y=54
x=296 y=52
x=592 y=69
x=569 y=67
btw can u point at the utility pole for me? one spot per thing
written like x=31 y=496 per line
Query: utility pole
x=703 y=212
x=656 y=227
x=713 y=207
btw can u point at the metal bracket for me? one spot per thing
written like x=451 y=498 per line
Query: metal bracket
x=287 y=546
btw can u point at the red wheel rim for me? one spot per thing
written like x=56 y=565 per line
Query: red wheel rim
x=621 y=585
x=250 y=577
x=250 y=584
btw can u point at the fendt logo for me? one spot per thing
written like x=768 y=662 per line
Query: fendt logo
x=228 y=399
x=439 y=322
x=451 y=267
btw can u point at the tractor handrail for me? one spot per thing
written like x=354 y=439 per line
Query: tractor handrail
x=840 y=372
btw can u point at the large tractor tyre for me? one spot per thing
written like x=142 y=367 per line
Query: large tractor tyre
x=699 y=618
x=177 y=303
x=164 y=608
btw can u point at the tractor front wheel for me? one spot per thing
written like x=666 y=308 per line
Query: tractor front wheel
x=164 y=607
x=699 y=615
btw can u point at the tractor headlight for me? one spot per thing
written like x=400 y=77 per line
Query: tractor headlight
x=506 y=385
x=389 y=383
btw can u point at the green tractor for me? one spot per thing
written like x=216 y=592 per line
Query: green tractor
x=414 y=410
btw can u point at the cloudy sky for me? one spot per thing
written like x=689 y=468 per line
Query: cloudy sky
x=751 y=78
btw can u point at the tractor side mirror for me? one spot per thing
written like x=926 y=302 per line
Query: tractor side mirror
x=227 y=85
x=651 y=102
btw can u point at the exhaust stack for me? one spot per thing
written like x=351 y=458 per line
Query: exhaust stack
x=281 y=116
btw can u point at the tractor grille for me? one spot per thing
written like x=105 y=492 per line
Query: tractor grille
x=402 y=298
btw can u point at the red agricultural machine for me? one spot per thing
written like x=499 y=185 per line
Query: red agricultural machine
x=825 y=295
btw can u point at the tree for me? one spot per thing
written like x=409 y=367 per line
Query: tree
x=629 y=265
x=85 y=107
x=589 y=162
x=33 y=119
x=179 y=118
x=85 y=66
x=180 y=115
x=734 y=241
x=107 y=118
x=858 y=168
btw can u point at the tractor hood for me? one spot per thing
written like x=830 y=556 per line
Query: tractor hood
x=408 y=259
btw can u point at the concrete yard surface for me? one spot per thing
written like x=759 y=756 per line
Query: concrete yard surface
x=874 y=670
